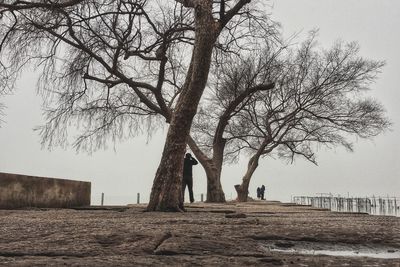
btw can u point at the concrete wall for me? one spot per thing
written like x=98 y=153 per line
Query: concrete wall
x=17 y=191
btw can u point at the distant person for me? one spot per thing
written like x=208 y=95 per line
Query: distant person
x=188 y=176
x=262 y=192
x=258 y=192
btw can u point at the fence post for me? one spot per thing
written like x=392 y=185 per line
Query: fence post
x=102 y=199
x=138 y=198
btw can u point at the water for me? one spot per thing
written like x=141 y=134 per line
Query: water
x=342 y=253
x=339 y=250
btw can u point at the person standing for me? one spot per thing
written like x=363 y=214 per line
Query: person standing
x=258 y=192
x=262 y=191
x=187 y=180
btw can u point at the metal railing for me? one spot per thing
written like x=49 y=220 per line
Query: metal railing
x=371 y=205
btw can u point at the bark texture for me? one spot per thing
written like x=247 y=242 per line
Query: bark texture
x=214 y=187
x=215 y=194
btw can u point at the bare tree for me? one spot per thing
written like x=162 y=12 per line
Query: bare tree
x=318 y=100
x=116 y=68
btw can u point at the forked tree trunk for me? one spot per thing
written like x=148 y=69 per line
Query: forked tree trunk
x=213 y=168
x=166 y=191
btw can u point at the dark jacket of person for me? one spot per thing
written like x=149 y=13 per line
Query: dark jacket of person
x=187 y=166
x=262 y=191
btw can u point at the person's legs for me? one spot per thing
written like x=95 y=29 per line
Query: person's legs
x=183 y=190
x=190 y=187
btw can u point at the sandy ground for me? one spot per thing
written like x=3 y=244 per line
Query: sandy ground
x=256 y=233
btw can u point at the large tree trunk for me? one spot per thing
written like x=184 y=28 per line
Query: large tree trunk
x=167 y=190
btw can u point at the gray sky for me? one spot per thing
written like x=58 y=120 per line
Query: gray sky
x=373 y=169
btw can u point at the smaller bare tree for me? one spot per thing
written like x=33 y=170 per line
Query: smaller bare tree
x=317 y=100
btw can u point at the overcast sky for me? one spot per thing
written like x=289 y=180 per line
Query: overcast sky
x=373 y=169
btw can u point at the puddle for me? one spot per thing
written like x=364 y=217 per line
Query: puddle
x=329 y=249
x=343 y=253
